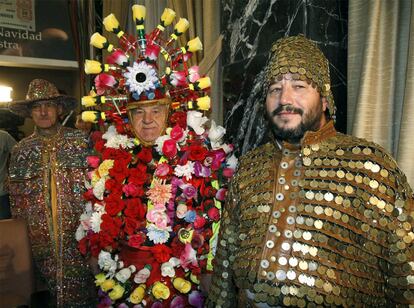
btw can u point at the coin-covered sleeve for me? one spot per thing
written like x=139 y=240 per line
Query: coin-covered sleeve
x=223 y=291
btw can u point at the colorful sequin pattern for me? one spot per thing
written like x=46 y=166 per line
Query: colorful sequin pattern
x=34 y=162
x=326 y=224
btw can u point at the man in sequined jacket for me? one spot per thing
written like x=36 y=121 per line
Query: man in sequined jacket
x=315 y=218
x=47 y=170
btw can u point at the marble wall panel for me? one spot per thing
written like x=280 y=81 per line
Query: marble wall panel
x=250 y=27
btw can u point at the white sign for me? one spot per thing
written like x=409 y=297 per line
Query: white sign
x=18 y=14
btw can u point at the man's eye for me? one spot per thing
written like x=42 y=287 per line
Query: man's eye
x=299 y=86
x=275 y=90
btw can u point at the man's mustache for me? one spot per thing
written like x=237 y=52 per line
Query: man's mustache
x=286 y=108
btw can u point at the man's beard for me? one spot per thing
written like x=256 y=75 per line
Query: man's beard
x=311 y=121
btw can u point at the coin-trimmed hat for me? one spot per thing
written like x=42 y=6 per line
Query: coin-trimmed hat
x=301 y=58
x=41 y=90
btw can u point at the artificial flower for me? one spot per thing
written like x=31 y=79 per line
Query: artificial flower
x=136 y=240
x=106 y=262
x=115 y=140
x=185 y=170
x=193 y=74
x=152 y=51
x=181 y=210
x=221 y=194
x=185 y=235
x=163 y=170
x=107 y=285
x=196 y=299
x=216 y=134
x=96 y=220
x=201 y=171
x=99 y=188
x=104 y=82
x=189 y=257
x=138 y=294
x=93 y=161
x=117 y=292
x=160 y=290
x=117 y=57
x=141 y=77
x=142 y=275
x=178 y=302
x=177 y=133
x=105 y=166
x=159 y=193
x=199 y=222
x=167 y=270
x=232 y=162
x=158 y=217
x=182 y=285
x=124 y=274
x=213 y=213
x=178 y=79
x=169 y=148
x=196 y=120
x=100 y=279
x=158 y=236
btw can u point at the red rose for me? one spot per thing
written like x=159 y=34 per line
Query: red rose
x=197 y=152
x=88 y=195
x=179 y=118
x=169 y=148
x=114 y=205
x=177 y=133
x=96 y=136
x=177 y=247
x=162 y=253
x=163 y=170
x=131 y=190
x=134 y=208
x=213 y=213
x=208 y=191
x=99 y=145
x=145 y=155
x=199 y=222
x=83 y=246
x=130 y=225
x=111 y=225
x=136 y=240
x=119 y=171
x=207 y=204
x=113 y=186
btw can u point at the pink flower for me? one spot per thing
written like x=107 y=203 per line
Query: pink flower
x=163 y=170
x=169 y=148
x=152 y=52
x=193 y=74
x=228 y=173
x=189 y=191
x=201 y=171
x=221 y=194
x=103 y=82
x=158 y=217
x=181 y=211
x=177 y=133
x=188 y=257
x=93 y=161
x=178 y=79
x=159 y=193
x=214 y=213
x=117 y=57
x=131 y=189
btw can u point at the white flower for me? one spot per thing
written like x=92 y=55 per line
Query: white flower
x=99 y=207
x=167 y=270
x=96 y=221
x=231 y=162
x=115 y=140
x=174 y=261
x=85 y=221
x=99 y=188
x=185 y=170
x=216 y=134
x=106 y=262
x=159 y=143
x=80 y=233
x=123 y=275
x=196 y=121
x=142 y=275
x=141 y=77
x=227 y=148
x=158 y=236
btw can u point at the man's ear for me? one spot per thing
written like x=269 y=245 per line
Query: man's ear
x=324 y=104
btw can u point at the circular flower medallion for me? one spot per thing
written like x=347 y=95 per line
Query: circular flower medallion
x=141 y=77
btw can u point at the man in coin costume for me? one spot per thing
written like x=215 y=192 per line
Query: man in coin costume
x=47 y=170
x=316 y=218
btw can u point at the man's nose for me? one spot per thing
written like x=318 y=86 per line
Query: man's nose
x=286 y=96
x=147 y=118
x=43 y=109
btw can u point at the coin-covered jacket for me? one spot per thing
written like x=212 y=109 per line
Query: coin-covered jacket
x=46 y=180
x=326 y=223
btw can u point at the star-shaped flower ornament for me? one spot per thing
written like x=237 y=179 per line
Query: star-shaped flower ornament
x=141 y=77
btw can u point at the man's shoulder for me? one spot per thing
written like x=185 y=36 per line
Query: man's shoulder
x=69 y=132
x=265 y=150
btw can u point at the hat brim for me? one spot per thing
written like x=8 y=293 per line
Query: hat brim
x=22 y=107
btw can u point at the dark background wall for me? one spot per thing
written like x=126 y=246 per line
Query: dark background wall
x=250 y=28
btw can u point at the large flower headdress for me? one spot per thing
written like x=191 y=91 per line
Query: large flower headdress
x=153 y=213
x=144 y=69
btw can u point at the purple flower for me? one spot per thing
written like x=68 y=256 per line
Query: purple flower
x=201 y=171
x=123 y=305
x=196 y=299
x=189 y=191
x=190 y=216
x=156 y=305
x=178 y=302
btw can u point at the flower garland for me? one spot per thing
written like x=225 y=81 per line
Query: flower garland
x=152 y=214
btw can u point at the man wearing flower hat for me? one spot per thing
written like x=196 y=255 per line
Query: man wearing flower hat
x=47 y=170
x=314 y=218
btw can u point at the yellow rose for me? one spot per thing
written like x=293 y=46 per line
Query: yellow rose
x=182 y=285
x=95 y=177
x=107 y=285
x=99 y=279
x=105 y=166
x=138 y=294
x=116 y=292
x=160 y=290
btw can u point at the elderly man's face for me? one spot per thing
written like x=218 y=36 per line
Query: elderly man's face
x=148 y=122
x=294 y=107
x=45 y=114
